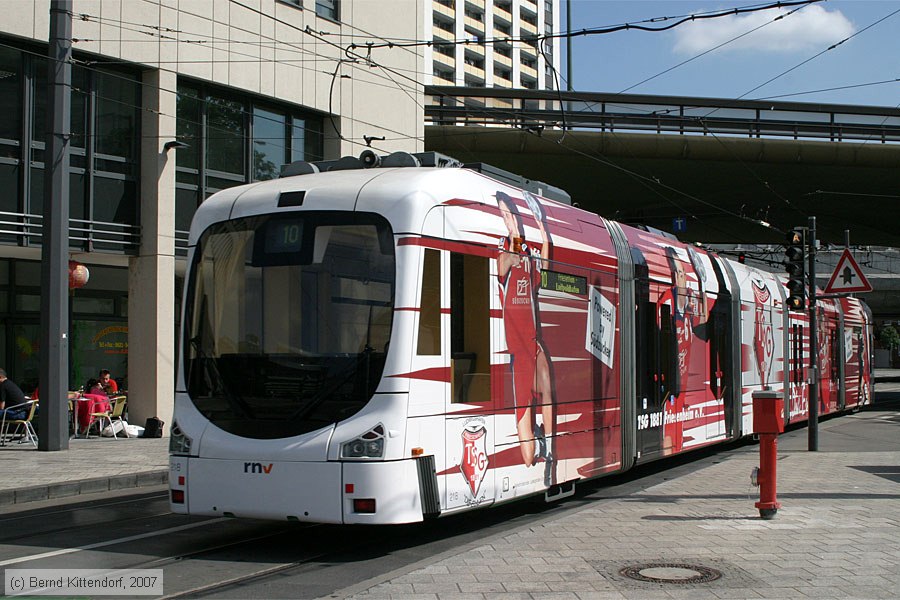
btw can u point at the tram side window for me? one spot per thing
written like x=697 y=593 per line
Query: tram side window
x=720 y=375
x=429 y=333
x=648 y=350
x=470 y=328
x=669 y=375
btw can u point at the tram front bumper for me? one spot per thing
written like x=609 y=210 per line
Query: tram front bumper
x=321 y=492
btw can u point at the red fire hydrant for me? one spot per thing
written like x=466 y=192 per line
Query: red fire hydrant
x=768 y=422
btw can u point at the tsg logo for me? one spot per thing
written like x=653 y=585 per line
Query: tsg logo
x=257 y=468
x=474 y=463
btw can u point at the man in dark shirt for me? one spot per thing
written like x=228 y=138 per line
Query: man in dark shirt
x=11 y=395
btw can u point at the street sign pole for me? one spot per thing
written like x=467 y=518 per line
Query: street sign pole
x=813 y=343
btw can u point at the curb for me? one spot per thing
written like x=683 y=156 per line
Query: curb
x=82 y=487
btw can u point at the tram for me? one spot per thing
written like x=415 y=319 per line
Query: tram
x=396 y=343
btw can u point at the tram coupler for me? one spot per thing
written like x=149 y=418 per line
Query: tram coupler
x=768 y=422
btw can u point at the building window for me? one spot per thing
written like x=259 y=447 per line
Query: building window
x=443 y=74
x=473 y=35
x=281 y=138
x=98 y=327
x=11 y=78
x=443 y=25
x=328 y=9
x=104 y=152
x=225 y=133
x=474 y=61
x=269 y=147
x=475 y=15
x=448 y=50
x=234 y=140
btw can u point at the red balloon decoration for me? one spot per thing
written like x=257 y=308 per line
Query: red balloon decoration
x=78 y=275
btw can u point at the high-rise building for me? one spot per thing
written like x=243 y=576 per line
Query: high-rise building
x=493 y=43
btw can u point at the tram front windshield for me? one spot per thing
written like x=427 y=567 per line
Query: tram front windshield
x=288 y=320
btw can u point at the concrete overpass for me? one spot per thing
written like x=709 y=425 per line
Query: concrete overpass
x=721 y=168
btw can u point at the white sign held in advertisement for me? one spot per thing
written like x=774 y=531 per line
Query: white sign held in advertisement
x=601 y=327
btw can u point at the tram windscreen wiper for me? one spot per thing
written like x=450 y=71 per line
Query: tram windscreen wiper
x=214 y=382
x=327 y=392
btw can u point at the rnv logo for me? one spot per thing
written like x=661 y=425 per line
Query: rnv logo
x=257 y=468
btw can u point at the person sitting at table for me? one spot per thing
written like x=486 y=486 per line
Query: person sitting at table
x=94 y=386
x=108 y=383
x=11 y=396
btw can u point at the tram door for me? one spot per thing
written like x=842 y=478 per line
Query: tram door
x=798 y=359
x=650 y=380
x=862 y=394
x=721 y=375
x=470 y=410
x=853 y=371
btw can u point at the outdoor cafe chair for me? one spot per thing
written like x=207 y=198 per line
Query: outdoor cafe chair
x=109 y=417
x=98 y=417
x=118 y=409
x=21 y=427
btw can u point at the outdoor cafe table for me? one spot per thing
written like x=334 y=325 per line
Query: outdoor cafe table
x=85 y=406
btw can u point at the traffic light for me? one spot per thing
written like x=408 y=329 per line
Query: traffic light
x=795 y=253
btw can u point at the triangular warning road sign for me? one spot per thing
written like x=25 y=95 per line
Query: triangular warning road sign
x=847 y=277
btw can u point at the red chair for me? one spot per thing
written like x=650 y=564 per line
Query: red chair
x=90 y=409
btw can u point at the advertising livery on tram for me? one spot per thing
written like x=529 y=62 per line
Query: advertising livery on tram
x=389 y=344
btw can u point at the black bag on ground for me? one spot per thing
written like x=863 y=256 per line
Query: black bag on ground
x=153 y=428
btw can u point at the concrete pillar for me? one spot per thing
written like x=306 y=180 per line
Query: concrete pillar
x=151 y=274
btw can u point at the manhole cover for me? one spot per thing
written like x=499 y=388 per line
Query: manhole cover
x=671 y=573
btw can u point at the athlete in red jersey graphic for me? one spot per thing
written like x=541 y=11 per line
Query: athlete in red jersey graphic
x=689 y=315
x=763 y=337
x=519 y=272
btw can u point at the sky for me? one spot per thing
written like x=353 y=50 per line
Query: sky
x=621 y=61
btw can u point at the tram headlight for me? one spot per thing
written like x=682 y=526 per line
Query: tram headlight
x=368 y=445
x=179 y=443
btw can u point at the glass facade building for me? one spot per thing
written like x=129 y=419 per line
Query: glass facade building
x=171 y=102
x=232 y=138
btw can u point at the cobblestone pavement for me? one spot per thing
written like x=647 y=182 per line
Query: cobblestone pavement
x=837 y=534
x=89 y=465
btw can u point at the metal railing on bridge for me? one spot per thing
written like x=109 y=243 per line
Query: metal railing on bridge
x=536 y=110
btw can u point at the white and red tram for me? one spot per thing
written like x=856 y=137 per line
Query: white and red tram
x=386 y=345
